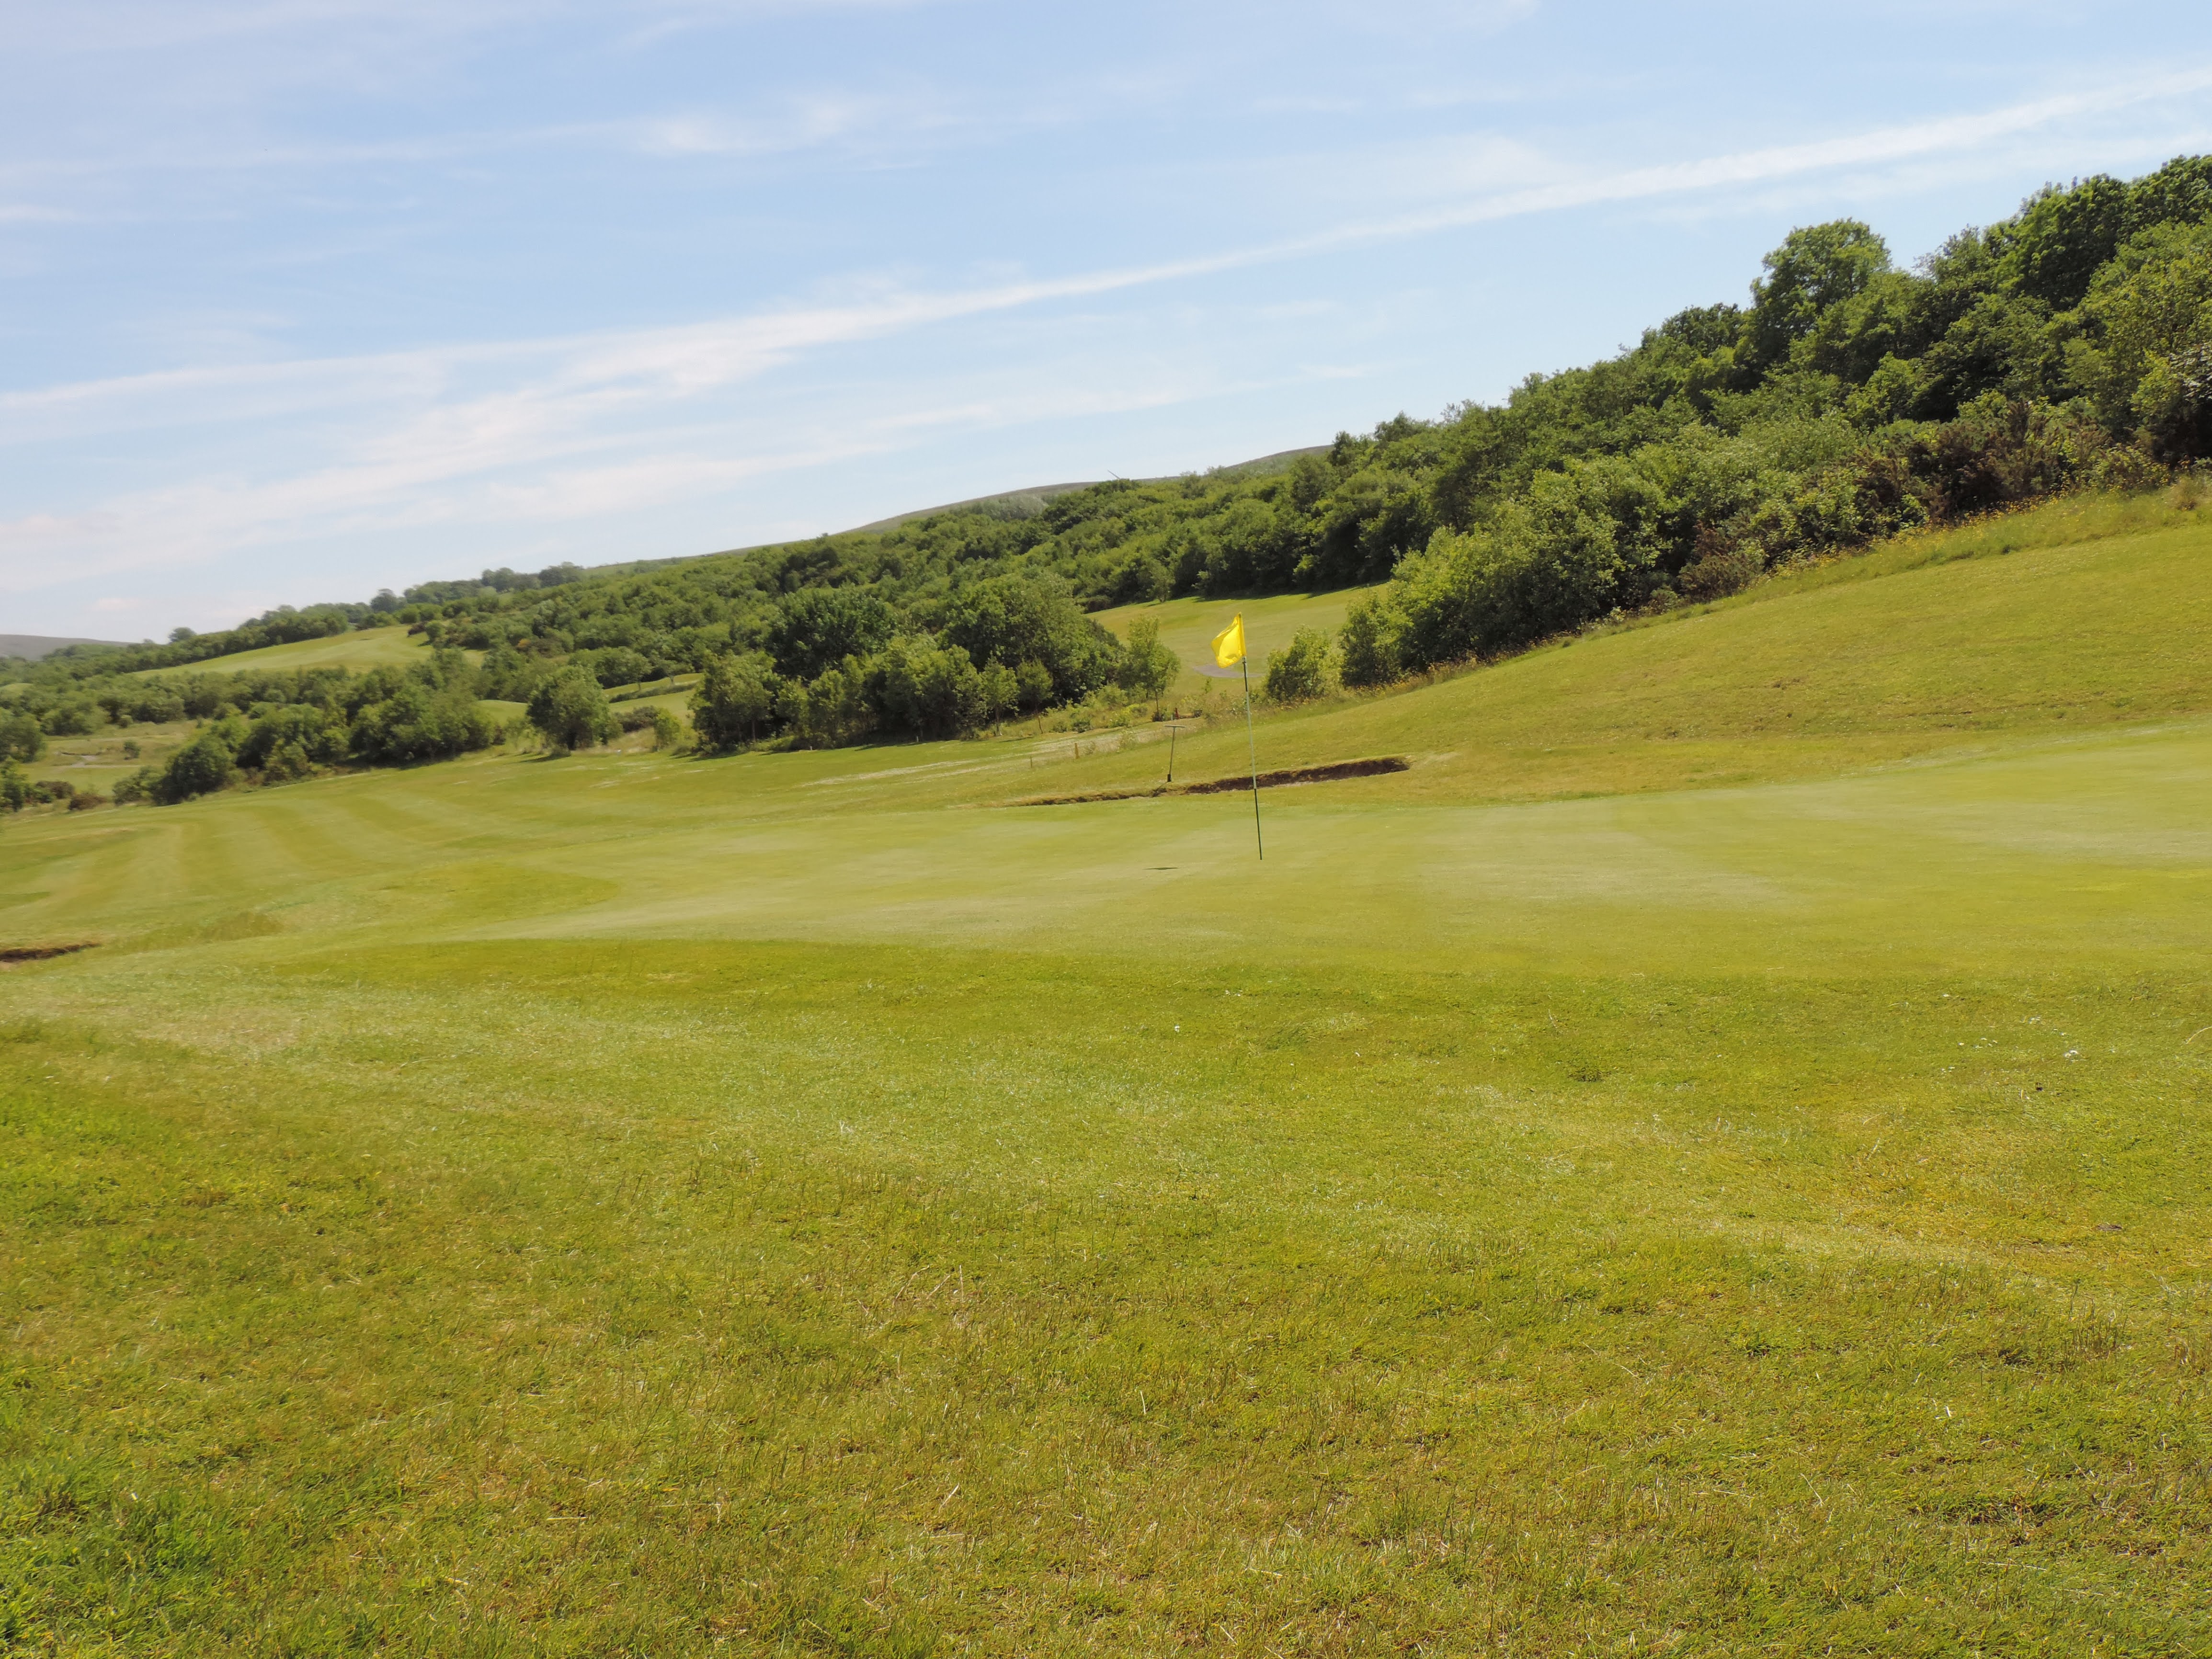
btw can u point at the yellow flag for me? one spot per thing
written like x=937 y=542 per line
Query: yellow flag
x=1229 y=643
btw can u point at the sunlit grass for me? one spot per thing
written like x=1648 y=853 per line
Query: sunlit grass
x=626 y=1204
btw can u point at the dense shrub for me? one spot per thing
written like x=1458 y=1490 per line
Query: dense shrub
x=202 y=767
x=21 y=738
x=420 y=722
x=1304 y=669
x=572 y=712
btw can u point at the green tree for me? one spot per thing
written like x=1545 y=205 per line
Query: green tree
x=1302 y=670
x=1148 y=667
x=734 y=696
x=418 y=723
x=667 y=729
x=1032 y=686
x=571 y=710
x=1000 y=692
x=21 y=738
x=1023 y=619
x=1816 y=267
x=2057 y=241
x=617 y=664
x=931 y=691
x=833 y=708
x=2148 y=362
x=201 y=767
x=509 y=676
x=1368 y=643
x=816 y=629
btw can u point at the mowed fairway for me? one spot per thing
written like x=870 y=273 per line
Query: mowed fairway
x=797 y=1203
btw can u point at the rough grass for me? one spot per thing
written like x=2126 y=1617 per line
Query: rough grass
x=98 y=761
x=630 y=1205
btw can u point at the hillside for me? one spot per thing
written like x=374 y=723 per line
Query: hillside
x=31 y=648
x=2057 y=350
x=1734 y=1098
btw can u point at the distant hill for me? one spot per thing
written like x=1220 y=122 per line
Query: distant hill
x=1038 y=495
x=33 y=646
x=1043 y=493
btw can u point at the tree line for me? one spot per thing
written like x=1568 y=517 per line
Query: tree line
x=2067 y=346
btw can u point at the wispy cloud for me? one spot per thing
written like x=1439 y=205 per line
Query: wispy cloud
x=589 y=424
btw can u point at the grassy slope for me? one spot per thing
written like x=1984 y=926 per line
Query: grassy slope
x=374 y=647
x=621 y=1203
x=1188 y=626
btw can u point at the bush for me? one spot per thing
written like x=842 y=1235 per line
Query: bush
x=1719 y=569
x=1368 y=643
x=418 y=724
x=201 y=767
x=667 y=729
x=313 y=734
x=1148 y=667
x=617 y=666
x=74 y=719
x=571 y=710
x=507 y=675
x=1302 y=670
x=288 y=762
x=21 y=738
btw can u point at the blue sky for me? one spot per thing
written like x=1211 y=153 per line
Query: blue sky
x=303 y=297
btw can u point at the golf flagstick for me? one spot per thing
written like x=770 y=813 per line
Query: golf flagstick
x=1254 y=745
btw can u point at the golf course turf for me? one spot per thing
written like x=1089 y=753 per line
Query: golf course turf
x=1710 y=1158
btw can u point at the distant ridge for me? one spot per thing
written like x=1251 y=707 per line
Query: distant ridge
x=1277 y=462
x=1274 y=463
x=35 y=646
x=1041 y=492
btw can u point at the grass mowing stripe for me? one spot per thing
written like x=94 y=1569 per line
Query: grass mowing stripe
x=819 y=1327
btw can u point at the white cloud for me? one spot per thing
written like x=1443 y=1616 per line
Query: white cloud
x=590 y=425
